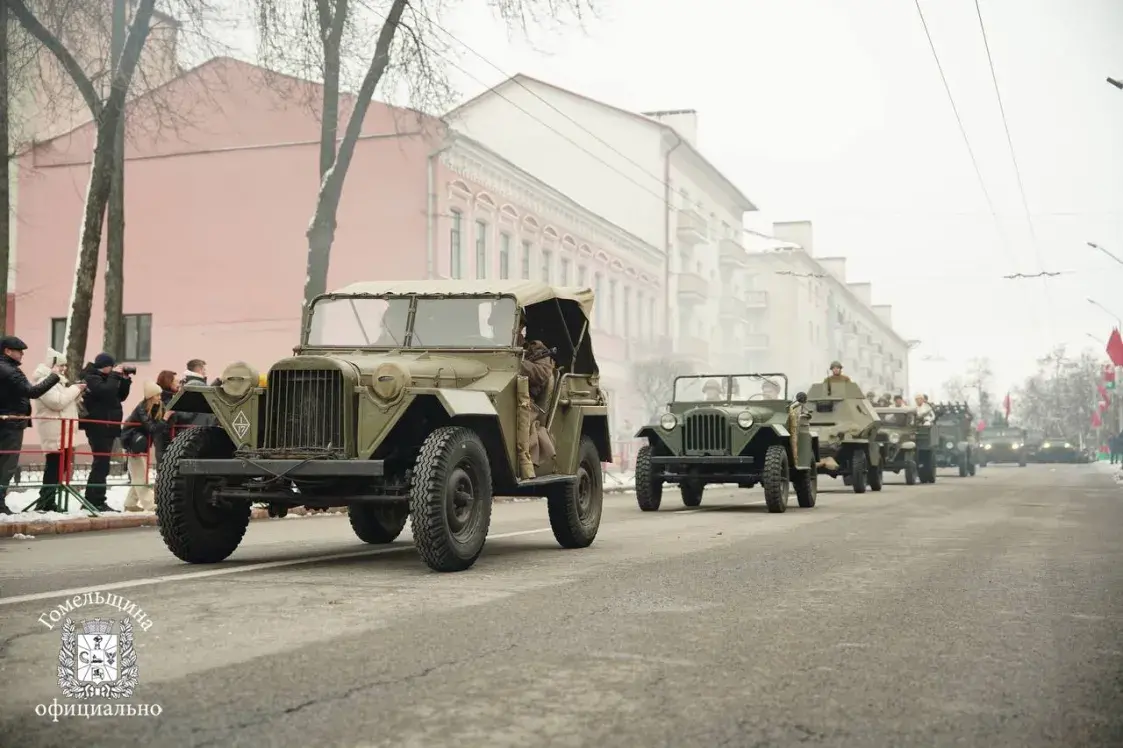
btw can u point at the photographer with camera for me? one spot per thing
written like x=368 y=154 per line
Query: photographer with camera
x=106 y=388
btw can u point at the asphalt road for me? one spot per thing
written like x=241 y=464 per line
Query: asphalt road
x=984 y=611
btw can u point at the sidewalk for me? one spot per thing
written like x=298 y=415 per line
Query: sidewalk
x=28 y=525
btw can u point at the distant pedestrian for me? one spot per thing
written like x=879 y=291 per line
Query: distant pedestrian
x=16 y=394
x=106 y=388
x=146 y=423
x=56 y=413
x=1116 y=445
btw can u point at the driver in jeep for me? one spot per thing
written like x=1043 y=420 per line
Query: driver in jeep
x=712 y=390
x=770 y=390
x=536 y=377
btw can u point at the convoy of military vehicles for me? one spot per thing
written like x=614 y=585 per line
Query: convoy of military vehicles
x=408 y=401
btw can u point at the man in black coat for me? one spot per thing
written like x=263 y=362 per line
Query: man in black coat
x=106 y=388
x=16 y=394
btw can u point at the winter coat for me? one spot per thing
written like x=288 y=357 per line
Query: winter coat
x=540 y=373
x=16 y=393
x=103 y=398
x=146 y=425
x=53 y=406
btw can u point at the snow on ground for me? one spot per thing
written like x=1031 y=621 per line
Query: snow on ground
x=1116 y=471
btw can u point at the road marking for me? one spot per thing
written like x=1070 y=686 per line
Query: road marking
x=193 y=575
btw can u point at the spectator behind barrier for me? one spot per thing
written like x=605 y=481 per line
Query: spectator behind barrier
x=106 y=389
x=16 y=394
x=168 y=383
x=56 y=410
x=147 y=422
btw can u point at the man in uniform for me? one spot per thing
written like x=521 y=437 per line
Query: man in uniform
x=836 y=376
x=924 y=412
x=898 y=401
x=535 y=376
x=770 y=390
x=711 y=390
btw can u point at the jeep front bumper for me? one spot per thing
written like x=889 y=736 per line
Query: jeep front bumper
x=271 y=468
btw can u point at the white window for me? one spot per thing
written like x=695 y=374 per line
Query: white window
x=481 y=249
x=504 y=256
x=455 y=250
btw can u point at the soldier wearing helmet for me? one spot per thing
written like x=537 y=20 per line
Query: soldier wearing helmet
x=836 y=374
x=770 y=390
x=712 y=390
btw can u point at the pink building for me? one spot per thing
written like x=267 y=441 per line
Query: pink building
x=217 y=207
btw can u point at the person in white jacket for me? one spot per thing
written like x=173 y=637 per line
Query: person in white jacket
x=55 y=412
x=924 y=412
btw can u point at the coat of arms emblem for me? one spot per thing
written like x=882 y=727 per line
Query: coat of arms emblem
x=97 y=662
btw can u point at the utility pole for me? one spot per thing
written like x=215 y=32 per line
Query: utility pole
x=113 y=340
x=5 y=173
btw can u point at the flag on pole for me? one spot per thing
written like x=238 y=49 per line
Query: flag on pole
x=1109 y=376
x=1115 y=347
x=1103 y=394
x=1006 y=406
x=1097 y=422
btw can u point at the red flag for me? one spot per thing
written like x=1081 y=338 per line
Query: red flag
x=1006 y=405
x=1096 y=421
x=1109 y=373
x=1103 y=405
x=1103 y=393
x=1115 y=347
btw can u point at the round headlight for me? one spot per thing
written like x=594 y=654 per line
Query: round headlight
x=745 y=419
x=239 y=378
x=1068 y=446
x=950 y=445
x=894 y=437
x=987 y=446
x=668 y=421
x=389 y=381
x=1046 y=445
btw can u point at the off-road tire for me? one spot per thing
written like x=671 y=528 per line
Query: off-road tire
x=859 y=471
x=963 y=468
x=774 y=479
x=649 y=485
x=972 y=466
x=450 y=452
x=691 y=492
x=876 y=477
x=378 y=524
x=847 y=480
x=1021 y=463
x=928 y=471
x=912 y=472
x=194 y=530
x=575 y=507
x=806 y=484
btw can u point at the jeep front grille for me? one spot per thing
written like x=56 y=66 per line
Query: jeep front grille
x=706 y=432
x=305 y=410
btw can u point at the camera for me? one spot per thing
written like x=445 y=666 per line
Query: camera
x=128 y=370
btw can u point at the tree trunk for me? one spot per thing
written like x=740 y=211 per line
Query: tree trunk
x=114 y=324
x=321 y=231
x=5 y=174
x=97 y=193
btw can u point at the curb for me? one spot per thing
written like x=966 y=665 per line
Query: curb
x=123 y=521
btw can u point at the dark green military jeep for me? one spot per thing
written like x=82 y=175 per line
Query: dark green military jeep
x=898 y=437
x=723 y=428
x=953 y=438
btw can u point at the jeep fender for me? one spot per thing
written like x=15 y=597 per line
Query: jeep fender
x=209 y=400
x=652 y=435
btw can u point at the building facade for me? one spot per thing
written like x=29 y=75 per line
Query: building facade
x=217 y=212
x=643 y=172
x=811 y=314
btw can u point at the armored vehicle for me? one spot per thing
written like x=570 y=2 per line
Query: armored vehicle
x=401 y=402
x=847 y=428
x=1004 y=444
x=1060 y=450
x=953 y=438
x=898 y=436
x=724 y=428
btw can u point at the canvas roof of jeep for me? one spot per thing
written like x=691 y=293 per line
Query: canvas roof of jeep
x=526 y=292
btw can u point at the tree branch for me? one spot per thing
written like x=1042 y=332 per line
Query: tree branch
x=54 y=45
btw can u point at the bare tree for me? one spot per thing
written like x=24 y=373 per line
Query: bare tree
x=655 y=380
x=980 y=379
x=324 y=38
x=1061 y=397
x=955 y=389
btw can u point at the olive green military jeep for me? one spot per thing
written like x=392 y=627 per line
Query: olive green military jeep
x=898 y=437
x=953 y=438
x=729 y=429
x=399 y=403
x=846 y=425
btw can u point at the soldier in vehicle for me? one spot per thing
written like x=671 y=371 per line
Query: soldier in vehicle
x=711 y=390
x=536 y=375
x=898 y=401
x=770 y=390
x=924 y=412
x=836 y=376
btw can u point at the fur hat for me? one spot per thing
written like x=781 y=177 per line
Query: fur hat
x=151 y=389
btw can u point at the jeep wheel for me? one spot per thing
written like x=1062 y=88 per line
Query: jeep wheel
x=972 y=468
x=963 y=466
x=1022 y=462
x=378 y=524
x=575 y=508
x=194 y=527
x=775 y=479
x=691 y=492
x=911 y=472
x=876 y=477
x=858 y=471
x=806 y=487
x=649 y=484
x=450 y=499
x=928 y=470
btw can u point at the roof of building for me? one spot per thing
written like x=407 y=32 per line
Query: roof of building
x=521 y=78
x=526 y=292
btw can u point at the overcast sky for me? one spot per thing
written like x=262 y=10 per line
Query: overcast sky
x=834 y=111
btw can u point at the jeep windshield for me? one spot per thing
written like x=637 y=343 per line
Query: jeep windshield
x=438 y=322
x=1001 y=434
x=729 y=389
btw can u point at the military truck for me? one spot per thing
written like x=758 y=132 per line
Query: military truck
x=953 y=438
x=844 y=421
x=729 y=428
x=898 y=437
x=401 y=402
x=1003 y=444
